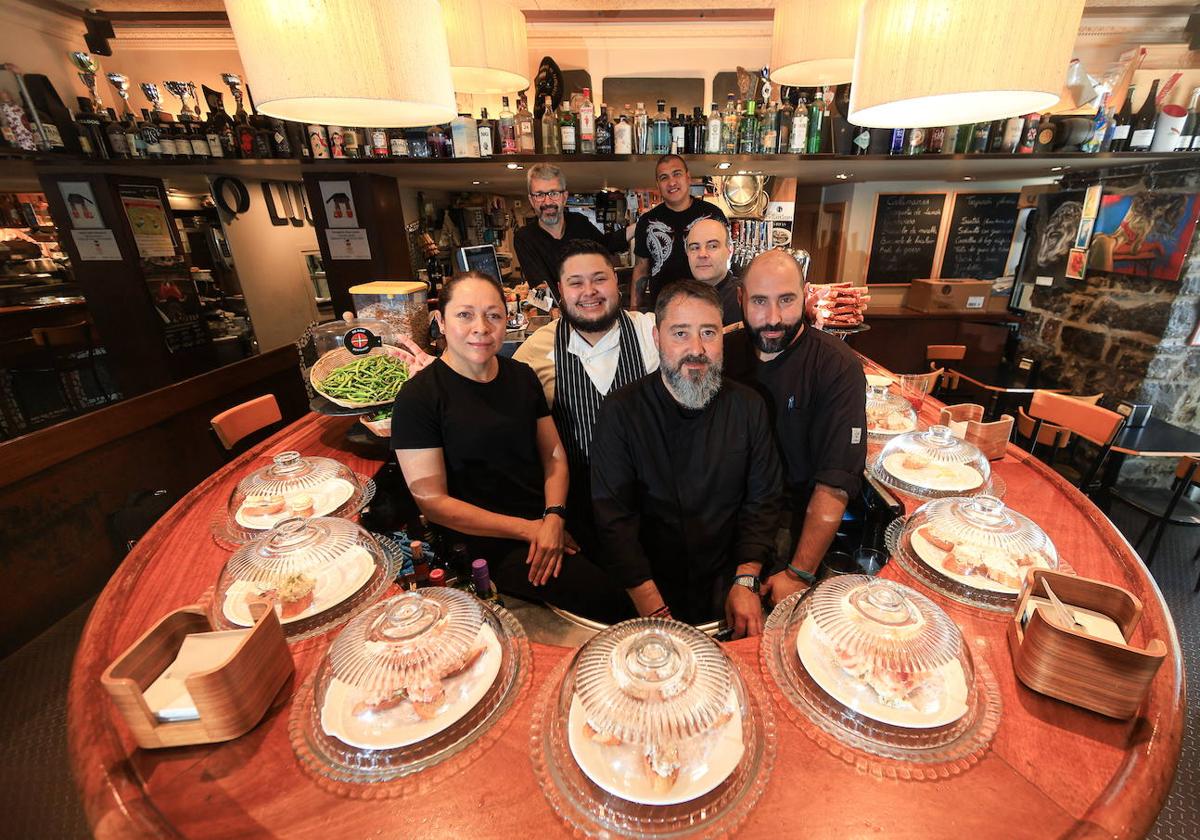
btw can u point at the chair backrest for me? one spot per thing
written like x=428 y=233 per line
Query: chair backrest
x=1091 y=422
x=930 y=378
x=945 y=352
x=235 y=423
x=1049 y=433
x=67 y=335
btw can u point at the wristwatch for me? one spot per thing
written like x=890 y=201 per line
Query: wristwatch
x=560 y=510
x=751 y=582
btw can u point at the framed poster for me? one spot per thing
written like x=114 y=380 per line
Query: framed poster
x=1145 y=233
x=148 y=220
x=338 y=200
x=81 y=205
x=1055 y=224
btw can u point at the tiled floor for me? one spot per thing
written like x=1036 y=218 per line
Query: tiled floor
x=38 y=800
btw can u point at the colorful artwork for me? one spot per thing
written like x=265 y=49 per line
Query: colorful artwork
x=1085 y=233
x=1145 y=233
x=1051 y=230
x=1091 y=203
x=1077 y=263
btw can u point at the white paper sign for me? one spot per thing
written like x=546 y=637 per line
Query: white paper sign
x=97 y=245
x=81 y=205
x=338 y=200
x=348 y=244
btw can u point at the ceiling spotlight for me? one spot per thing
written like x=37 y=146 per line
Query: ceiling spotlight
x=968 y=178
x=474 y=182
x=1056 y=169
x=512 y=165
x=723 y=165
x=841 y=176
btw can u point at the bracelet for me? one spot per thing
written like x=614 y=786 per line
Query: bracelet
x=807 y=577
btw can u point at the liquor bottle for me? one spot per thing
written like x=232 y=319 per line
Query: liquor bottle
x=481 y=582
x=729 y=127
x=748 y=144
x=508 y=130
x=487 y=135
x=783 y=125
x=464 y=131
x=91 y=130
x=916 y=142
x=798 y=142
x=769 y=132
x=660 y=131
x=1187 y=137
x=118 y=142
x=157 y=134
x=1141 y=131
x=587 y=124
x=604 y=132
x=551 y=139
x=379 y=143
x=196 y=136
x=1012 y=134
x=949 y=139
x=133 y=137
x=1099 y=128
x=995 y=136
x=440 y=141
x=220 y=126
x=982 y=134
x=712 y=132
x=1046 y=132
x=696 y=125
x=641 y=129
x=678 y=132
x=350 y=146
x=397 y=142
x=897 y=147
x=1122 y=123
x=568 y=129
x=936 y=140
x=623 y=135
x=816 y=123
x=318 y=141
x=1029 y=134
x=58 y=132
x=523 y=126
x=966 y=136
x=243 y=131
x=264 y=130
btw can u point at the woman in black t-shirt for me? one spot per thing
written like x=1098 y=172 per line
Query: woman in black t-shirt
x=479 y=450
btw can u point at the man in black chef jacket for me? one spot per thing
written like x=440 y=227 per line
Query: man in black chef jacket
x=709 y=253
x=685 y=476
x=816 y=392
x=538 y=244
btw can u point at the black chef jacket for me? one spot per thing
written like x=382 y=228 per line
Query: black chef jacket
x=731 y=307
x=816 y=394
x=684 y=496
x=538 y=251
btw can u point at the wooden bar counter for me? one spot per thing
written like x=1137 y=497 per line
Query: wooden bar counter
x=1053 y=770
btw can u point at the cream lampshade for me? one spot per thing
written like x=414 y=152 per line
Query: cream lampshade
x=377 y=63
x=946 y=62
x=489 y=51
x=813 y=42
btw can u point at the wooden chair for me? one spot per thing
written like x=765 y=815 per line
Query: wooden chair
x=1052 y=435
x=935 y=353
x=235 y=424
x=1166 y=506
x=991 y=438
x=1090 y=422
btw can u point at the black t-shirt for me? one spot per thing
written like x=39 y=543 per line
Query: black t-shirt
x=538 y=251
x=487 y=432
x=816 y=393
x=659 y=237
x=731 y=307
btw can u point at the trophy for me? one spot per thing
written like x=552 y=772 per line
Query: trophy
x=120 y=82
x=235 y=87
x=88 y=68
x=195 y=101
x=180 y=89
x=150 y=91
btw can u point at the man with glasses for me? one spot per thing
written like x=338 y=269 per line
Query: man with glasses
x=539 y=243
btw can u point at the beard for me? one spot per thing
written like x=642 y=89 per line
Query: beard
x=550 y=212
x=694 y=391
x=774 y=345
x=601 y=322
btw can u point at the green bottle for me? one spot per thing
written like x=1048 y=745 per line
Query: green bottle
x=749 y=142
x=816 y=123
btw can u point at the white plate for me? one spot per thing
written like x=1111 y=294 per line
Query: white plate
x=934 y=557
x=708 y=759
x=860 y=697
x=948 y=478
x=326 y=499
x=401 y=726
x=336 y=582
x=875 y=430
x=879 y=379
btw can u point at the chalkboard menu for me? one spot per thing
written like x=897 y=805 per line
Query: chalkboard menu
x=904 y=241
x=981 y=232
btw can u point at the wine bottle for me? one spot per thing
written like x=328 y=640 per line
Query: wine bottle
x=1122 y=122
x=678 y=132
x=1141 y=130
x=481 y=582
x=1187 y=136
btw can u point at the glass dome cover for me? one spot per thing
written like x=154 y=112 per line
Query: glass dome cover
x=650 y=731
x=974 y=549
x=316 y=572
x=931 y=464
x=888 y=414
x=332 y=334
x=409 y=683
x=292 y=485
x=873 y=664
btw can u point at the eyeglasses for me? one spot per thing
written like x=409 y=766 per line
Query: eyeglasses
x=542 y=196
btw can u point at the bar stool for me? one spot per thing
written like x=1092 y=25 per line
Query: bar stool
x=236 y=424
x=1166 y=506
x=1090 y=422
x=935 y=353
x=1052 y=435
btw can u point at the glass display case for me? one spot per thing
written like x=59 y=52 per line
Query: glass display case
x=868 y=663
x=410 y=683
x=888 y=414
x=316 y=573
x=973 y=549
x=293 y=485
x=651 y=731
x=932 y=464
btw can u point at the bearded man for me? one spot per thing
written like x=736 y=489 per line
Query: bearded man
x=685 y=476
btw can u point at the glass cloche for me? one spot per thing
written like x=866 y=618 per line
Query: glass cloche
x=293 y=485
x=888 y=414
x=973 y=549
x=932 y=464
x=878 y=666
x=332 y=334
x=316 y=573
x=650 y=731
x=409 y=683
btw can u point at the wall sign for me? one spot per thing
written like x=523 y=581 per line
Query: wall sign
x=980 y=235
x=148 y=220
x=81 y=205
x=96 y=245
x=338 y=200
x=348 y=244
x=904 y=239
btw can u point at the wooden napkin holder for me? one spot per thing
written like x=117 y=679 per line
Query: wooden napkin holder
x=990 y=438
x=231 y=699
x=1074 y=666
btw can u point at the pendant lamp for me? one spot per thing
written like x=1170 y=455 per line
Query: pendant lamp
x=947 y=62
x=813 y=42
x=379 y=63
x=489 y=50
